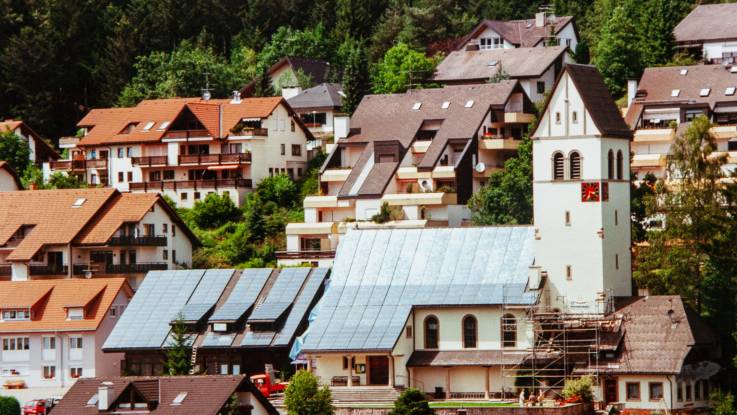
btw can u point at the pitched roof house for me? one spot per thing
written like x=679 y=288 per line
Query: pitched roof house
x=39 y=150
x=182 y=395
x=9 y=180
x=39 y=318
x=710 y=28
x=241 y=319
x=318 y=107
x=284 y=72
x=105 y=232
x=525 y=33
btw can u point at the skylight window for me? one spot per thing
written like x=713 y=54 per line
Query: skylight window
x=705 y=92
x=684 y=72
x=179 y=399
x=493 y=62
x=148 y=126
x=163 y=125
x=733 y=69
x=469 y=103
x=729 y=91
x=445 y=105
x=93 y=400
x=417 y=106
x=675 y=92
x=79 y=202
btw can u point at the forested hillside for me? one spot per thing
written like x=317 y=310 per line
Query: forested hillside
x=58 y=58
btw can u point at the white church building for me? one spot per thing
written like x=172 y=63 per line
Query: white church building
x=484 y=312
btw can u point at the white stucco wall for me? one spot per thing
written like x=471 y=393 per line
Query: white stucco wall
x=7 y=182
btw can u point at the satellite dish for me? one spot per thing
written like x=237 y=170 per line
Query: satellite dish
x=480 y=167
x=425 y=185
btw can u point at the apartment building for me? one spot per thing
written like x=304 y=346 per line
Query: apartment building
x=51 y=234
x=667 y=99
x=39 y=151
x=52 y=330
x=186 y=148
x=709 y=31
x=9 y=180
x=423 y=153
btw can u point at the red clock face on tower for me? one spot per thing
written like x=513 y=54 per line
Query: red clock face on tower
x=590 y=192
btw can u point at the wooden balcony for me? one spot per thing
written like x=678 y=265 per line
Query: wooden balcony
x=135 y=268
x=518 y=118
x=498 y=143
x=48 y=269
x=191 y=184
x=251 y=132
x=78 y=165
x=335 y=175
x=306 y=255
x=214 y=159
x=137 y=241
x=187 y=134
x=150 y=161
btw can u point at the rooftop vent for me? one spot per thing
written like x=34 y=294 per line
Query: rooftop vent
x=705 y=92
x=445 y=105
x=684 y=72
x=79 y=202
x=675 y=92
x=417 y=106
x=148 y=125
x=469 y=103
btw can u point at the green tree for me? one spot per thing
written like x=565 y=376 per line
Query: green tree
x=304 y=397
x=582 y=54
x=313 y=42
x=641 y=195
x=264 y=87
x=507 y=197
x=356 y=82
x=722 y=403
x=411 y=402
x=14 y=150
x=9 y=406
x=279 y=189
x=401 y=68
x=178 y=354
x=582 y=387
x=658 y=19
x=215 y=211
x=616 y=53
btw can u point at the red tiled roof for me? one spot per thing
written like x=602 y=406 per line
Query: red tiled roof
x=43 y=149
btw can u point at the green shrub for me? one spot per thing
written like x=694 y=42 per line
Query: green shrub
x=722 y=403
x=9 y=406
x=582 y=387
x=304 y=397
x=214 y=211
x=411 y=402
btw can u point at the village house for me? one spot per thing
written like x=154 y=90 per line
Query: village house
x=184 y=395
x=51 y=330
x=709 y=31
x=89 y=233
x=423 y=153
x=39 y=151
x=9 y=180
x=667 y=99
x=475 y=312
x=318 y=107
x=290 y=74
x=239 y=320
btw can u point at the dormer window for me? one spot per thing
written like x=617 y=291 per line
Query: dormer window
x=75 y=313
x=16 y=315
x=704 y=92
x=729 y=91
x=220 y=327
x=674 y=93
x=417 y=106
x=129 y=128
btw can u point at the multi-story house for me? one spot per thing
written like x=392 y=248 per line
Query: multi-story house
x=667 y=99
x=290 y=73
x=422 y=153
x=544 y=30
x=51 y=331
x=9 y=180
x=39 y=151
x=186 y=148
x=709 y=31
x=318 y=106
x=90 y=233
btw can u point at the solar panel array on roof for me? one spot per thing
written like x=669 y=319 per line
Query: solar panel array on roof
x=301 y=306
x=379 y=275
x=281 y=295
x=243 y=296
x=145 y=322
x=206 y=294
x=257 y=338
x=218 y=339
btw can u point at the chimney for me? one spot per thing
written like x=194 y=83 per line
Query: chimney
x=104 y=393
x=540 y=19
x=236 y=98
x=342 y=126
x=631 y=90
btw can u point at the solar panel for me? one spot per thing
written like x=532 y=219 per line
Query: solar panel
x=281 y=295
x=218 y=340
x=379 y=275
x=206 y=294
x=257 y=339
x=243 y=295
x=301 y=307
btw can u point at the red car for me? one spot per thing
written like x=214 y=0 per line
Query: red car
x=38 y=407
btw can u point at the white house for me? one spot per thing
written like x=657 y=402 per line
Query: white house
x=39 y=151
x=9 y=180
x=710 y=30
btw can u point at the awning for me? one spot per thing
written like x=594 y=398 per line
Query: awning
x=427 y=358
x=225 y=167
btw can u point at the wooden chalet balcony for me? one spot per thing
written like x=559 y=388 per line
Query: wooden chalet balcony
x=48 y=269
x=149 y=161
x=191 y=184
x=78 y=165
x=187 y=134
x=518 y=117
x=307 y=255
x=498 y=143
x=137 y=240
x=236 y=158
x=251 y=132
x=135 y=268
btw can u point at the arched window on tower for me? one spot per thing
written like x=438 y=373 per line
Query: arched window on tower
x=470 y=331
x=575 y=165
x=610 y=165
x=432 y=332
x=620 y=165
x=558 y=166
x=509 y=331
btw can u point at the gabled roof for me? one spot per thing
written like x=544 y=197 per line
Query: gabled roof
x=6 y=167
x=43 y=149
x=316 y=69
x=708 y=22
x=657 y=85
x=380 y=275
x=520 y=33
x=325 y=95
x=476 y=65
x=150 y=120
x=205 y=395
x=50 y=298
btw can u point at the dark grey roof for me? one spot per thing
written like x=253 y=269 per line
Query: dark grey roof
x=480 y=65
x=325 y=95
x=146 y=322
x=317 y=70
x=708 y=22
x=380 y=275
x=521 y=33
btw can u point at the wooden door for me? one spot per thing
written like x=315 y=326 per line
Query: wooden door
x=610 y=391
x=378 y=370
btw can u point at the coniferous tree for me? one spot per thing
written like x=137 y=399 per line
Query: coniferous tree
x=180 y=348
x=616 y=54
x=14 y=150
x=305 y=397
x=264 y=87
x=356 y=81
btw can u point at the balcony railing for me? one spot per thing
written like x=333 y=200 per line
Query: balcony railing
x=235 y=158
x=137 y=240
x=78 y=165
x=191 y=184
x=187 y=134
x=135 y=268
x=249 y=132
x=305 y=254
x=5 y=270
x=49 y=269
x=148 y=161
